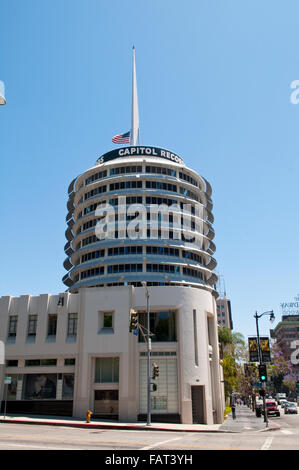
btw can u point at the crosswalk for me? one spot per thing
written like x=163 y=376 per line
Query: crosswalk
x=286 y=431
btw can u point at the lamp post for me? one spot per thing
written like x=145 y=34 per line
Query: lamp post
x=272 y=318
x=147 y=294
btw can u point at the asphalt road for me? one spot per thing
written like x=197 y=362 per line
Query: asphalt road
x=35 y=437
x=41 y=437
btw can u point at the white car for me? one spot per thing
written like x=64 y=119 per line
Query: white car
x=283 y=402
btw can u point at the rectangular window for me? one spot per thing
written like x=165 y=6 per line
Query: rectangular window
x=12 y=326
x=72 y=324
x=12 y=388
x=39 y=386
x=68 y=386
x=12 y=363
x=48 y=362
x=52 y=325
x=32 y=324
x=32 y=362
x=162 y=325
x=107 y=370
x=69 y=362
x=40 y=362
x=107 y=319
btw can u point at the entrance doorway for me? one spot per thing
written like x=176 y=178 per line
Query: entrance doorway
x=106 y=404
x=198 y=408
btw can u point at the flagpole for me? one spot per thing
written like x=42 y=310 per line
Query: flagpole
x=135 y=112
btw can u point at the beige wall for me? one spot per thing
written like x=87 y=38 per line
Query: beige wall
x=92 y=343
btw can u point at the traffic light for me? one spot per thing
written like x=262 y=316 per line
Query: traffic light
x=133 y=320
x=262 y=393
x=155 y=371
x=263 y=372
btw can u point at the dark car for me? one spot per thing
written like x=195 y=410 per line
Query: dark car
x=272 y=409
x=290 y=408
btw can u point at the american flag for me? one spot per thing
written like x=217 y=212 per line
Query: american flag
x=122 y=138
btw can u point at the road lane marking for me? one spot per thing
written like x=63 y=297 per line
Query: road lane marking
x=267 y=443
x=285 y=431
x=161 y=443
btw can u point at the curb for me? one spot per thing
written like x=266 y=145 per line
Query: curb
x=110 y=426
x=276 y=428
x=123 y=427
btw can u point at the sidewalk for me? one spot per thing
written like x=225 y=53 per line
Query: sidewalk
x=245 y=421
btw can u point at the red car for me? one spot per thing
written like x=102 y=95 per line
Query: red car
x=272 y=409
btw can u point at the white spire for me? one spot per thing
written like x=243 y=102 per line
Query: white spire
x=135 y=113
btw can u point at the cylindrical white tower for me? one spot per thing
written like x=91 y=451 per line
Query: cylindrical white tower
x=141 y=215
x=158 y=228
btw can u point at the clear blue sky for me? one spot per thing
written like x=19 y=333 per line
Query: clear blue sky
x=214 y=87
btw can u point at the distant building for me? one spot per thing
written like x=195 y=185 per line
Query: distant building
x=286 y=334
x=224 y=313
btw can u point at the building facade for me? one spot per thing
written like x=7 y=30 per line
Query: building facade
x=286 y=334
x=138 y=216
x=224 y=313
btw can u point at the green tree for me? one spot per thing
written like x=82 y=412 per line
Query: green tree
x=281 y=368
x=229 y=345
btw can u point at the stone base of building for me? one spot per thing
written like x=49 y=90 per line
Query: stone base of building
x=161 y=418
x=46 y=407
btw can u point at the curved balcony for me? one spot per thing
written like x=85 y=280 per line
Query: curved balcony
x=67 y=264
x=69 y=234
x=67 y=280
x=68 y=249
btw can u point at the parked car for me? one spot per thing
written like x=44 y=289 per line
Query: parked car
x=272 y=409
x=290 y=408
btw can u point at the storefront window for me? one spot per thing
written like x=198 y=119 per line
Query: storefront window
x=107 y=370
x=68 y=387
x=159 y=403
x=40 y=386
x=12 y=388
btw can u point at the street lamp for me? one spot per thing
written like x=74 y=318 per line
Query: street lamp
x=147 y=294
x=272 y=318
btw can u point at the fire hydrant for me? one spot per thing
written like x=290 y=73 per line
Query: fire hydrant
x=88 y=415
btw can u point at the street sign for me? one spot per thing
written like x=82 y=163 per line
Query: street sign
x=257 y=384
x=7 y=380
